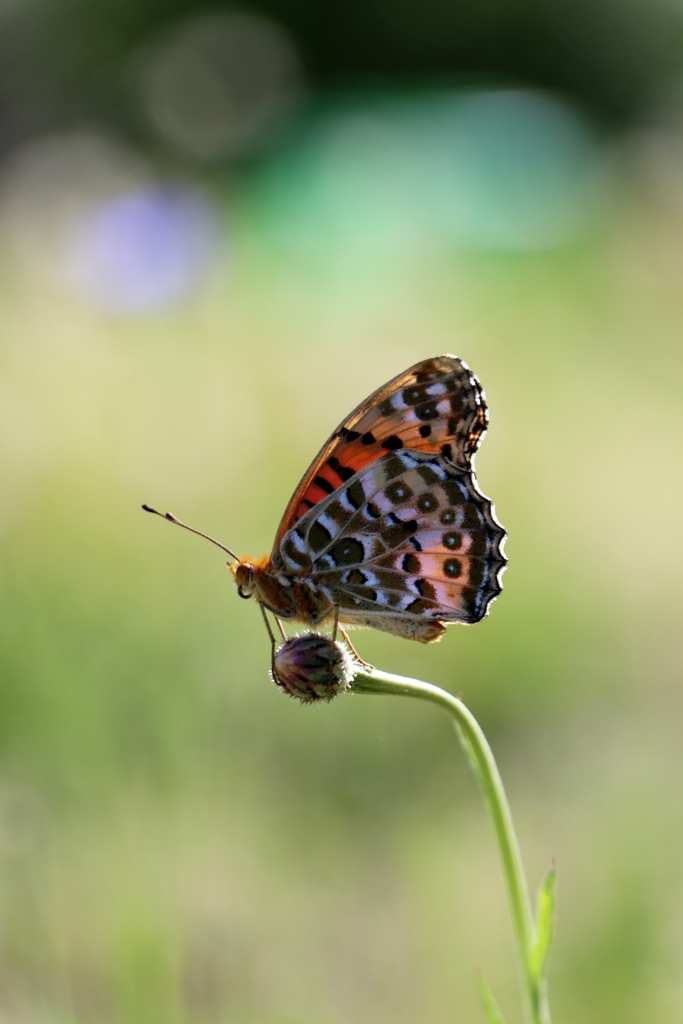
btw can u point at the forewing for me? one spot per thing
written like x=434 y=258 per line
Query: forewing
x=411 y=536
x=436 y=406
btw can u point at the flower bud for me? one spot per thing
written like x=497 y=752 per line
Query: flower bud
x=312 y=667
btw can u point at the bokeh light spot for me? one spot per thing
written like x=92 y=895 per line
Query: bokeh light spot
x=511 y=169
x=215 y=84
x=372 y=190
x=48 y=184
x=142 y=250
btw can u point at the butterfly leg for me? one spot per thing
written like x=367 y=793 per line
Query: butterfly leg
x=365 y=664
x=281 y=628
x=330 y=673
x=273 y=641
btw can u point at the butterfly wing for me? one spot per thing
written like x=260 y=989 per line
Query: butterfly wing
x=436 y=406
x=407 y=545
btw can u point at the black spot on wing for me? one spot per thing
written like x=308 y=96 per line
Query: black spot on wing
x=415 y=394
x=425 y=589
x=472 y=604
x=457 y=405
x=337 y=513
x=428 y=474
x=392 y=443
x=366 y=594
x=318 y=536
x=398 y=491
x=343 y=472
x=355 y=494
x=480 y=571
x=393 y=466
x=479 y=545
x=471 y=517
x=347 y=551
x=427 y=411
x=397 y=534
x=452 y=567
x=427 y=502
x=323 y=484
x=411 y=564
x=454 y=492
x=298 y=557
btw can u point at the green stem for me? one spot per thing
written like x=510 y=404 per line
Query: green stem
x=481 y=756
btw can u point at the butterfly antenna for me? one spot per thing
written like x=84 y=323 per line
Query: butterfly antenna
x=178 y=522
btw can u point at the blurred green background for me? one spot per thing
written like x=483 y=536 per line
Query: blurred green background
x=220 y=229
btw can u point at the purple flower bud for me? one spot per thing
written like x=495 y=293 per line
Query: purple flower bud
x=312 y=667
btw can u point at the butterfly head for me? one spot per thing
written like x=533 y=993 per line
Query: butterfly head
x=269 y=586
x=244 y=578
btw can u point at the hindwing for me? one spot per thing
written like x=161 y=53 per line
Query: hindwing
x=408 y=537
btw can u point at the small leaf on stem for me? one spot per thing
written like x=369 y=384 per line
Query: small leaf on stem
x=493 y=1014
x=545 y=920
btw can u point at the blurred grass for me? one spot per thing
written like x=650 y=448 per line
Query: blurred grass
x=178 y=842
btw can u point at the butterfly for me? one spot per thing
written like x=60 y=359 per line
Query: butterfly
x=388 y=527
